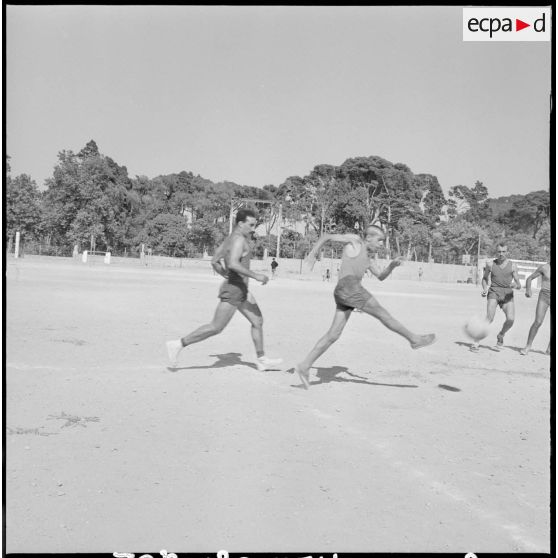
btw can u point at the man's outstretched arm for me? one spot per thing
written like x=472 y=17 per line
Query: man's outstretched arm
x=533 y=275
x=353 y=239
x=515 y=276
x=485 y=277
x=381 y=274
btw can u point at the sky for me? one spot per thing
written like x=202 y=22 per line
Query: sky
x=256 y=94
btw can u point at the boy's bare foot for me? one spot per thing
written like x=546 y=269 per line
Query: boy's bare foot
x=499 y=343
x=424 y=341
x=304 y=376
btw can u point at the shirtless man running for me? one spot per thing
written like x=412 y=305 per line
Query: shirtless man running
x=503 y=277
x=349 y=294
x=542 y=304
x=234 y=295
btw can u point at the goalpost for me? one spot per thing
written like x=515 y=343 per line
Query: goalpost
x=146 y=255
x=95 y=256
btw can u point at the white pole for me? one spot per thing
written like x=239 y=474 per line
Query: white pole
x=279 y=219
x=478 y=258
x=231 y=215
x=16 y=251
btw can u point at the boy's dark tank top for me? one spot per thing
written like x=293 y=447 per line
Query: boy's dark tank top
x=355 y=266
x=501 y=276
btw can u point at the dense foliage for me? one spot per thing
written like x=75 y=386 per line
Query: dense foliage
x=91 y=201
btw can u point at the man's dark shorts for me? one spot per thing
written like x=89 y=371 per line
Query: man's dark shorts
x=350 y=294
x=502 y=294
x=544 y=295
x=233 y=293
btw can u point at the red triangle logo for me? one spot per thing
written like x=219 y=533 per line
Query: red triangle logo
x=519 y=25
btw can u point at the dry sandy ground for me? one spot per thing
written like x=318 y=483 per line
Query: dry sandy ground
x=391 y=450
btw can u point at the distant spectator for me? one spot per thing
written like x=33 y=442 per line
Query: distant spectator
x=274 y=266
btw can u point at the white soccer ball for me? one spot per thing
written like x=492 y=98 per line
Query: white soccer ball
x=477 y=328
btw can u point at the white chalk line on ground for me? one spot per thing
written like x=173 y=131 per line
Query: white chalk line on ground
x=451 y=492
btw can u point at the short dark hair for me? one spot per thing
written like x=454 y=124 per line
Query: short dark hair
x=243 y=214
x=377 y=230
x=502 y=244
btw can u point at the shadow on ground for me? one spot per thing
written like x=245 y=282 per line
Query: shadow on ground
x=448 y=388
x=224 y=360
x=518 y=349
x=327 y=375
x=469 y=345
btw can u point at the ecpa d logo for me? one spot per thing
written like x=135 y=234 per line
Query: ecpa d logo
x=507 y=24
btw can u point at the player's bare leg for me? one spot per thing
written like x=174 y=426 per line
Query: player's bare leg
x=223 y=314
x=374 y=308
x=251 y=311
x=340 y=320
x=509 y=311
x=540 y=313
x=491 y=305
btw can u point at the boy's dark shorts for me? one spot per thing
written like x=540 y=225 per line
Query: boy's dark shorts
x=233 y=293
x=350 y=294
x=503 y=295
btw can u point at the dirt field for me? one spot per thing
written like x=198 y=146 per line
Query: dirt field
x=391 y=450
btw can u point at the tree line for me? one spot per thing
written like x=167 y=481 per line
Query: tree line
x=90 y=201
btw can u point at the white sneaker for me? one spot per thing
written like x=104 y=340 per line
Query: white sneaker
x=173 y=349
x=264 y=363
